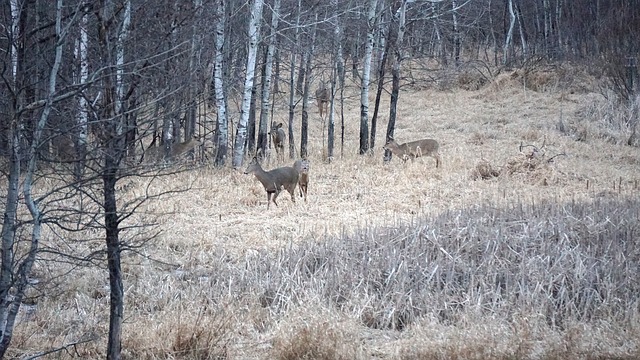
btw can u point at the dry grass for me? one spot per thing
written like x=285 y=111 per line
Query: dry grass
x=494 y=255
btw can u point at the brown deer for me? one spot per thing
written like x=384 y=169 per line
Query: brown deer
x=157 y=153
x=322 y=97
x=303 y=166
x=414 y=149
x=274 y=180
x=277 y=138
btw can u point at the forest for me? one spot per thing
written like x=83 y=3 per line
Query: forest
x=131 y=230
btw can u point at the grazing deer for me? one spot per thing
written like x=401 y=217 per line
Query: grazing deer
x=277 y=138
x=322 y=97
x=414 y=149
x=274 y=180
x=303 y=166
x=157 y=153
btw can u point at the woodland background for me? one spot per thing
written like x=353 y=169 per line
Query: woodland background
x=129 y=230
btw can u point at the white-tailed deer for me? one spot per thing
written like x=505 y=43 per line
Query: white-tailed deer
x=277 y=138
x=275 y=180
x=157 y=153
x=303 y=166
x=322 y=97
x=414 y=149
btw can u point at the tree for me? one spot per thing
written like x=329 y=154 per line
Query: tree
x=254 y=37
x=400 y=17
x=292 y=85
x=366 y=73
x=380 y=86
x=308 y=60
x=218 y=81
x=336 y=73
x=15 y=270
x=266 y=84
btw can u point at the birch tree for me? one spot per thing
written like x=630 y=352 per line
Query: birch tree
x=338 y=67
x=17 y=266
x=266 y=85
x=218 y=80
x=82 y=117
x=456 y=33
x=366 y=73
x=308 y=59
x=292 y=83
x=400 y=16
x=507 y=40
x=254 y=37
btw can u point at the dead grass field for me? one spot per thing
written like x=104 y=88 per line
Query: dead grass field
x=181 y=303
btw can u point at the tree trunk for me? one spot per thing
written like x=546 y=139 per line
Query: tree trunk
x=218 y=76
x=14 y=276
x=254 y=37
x=266 y=84
x=366 y=73
x=509 y=36
x=83 y=109
x=292 y=85
x=113 y=141
x=380 y=87
x=395 y=74
x=304 y=123
x=251 y=123
x=308 y=59
x=337 y=69
x=456 y=33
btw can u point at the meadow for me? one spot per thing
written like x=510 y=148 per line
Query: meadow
x=523 y=244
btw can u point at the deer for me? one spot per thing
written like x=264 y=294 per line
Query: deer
x=157 y=153
x=275 y=180
x=414 y=149
x=322 y=97
x=302 y=166
x=277 y=138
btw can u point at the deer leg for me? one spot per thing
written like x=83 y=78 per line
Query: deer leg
x=269 y=199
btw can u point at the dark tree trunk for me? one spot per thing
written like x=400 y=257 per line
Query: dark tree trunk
x=376 y=106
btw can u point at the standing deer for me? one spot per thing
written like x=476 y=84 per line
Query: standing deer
x=274 y=180
x=277 y=138
x=414 y=149
x=303 y=166
x=322 y=97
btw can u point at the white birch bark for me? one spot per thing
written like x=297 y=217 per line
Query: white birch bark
x=123 y=35
x=15 y=31
x=292 y=85
x=83 y=110
x=268 y=70
x=11 y=306
x=254 y=37
x=456 y=33
x=366 y=74
x=218 y=84
x=337 y=67
x=507 y=40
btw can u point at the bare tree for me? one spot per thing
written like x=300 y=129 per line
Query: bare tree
x=336 y=70
x=366 y=73
x=16 y=266
x=254 y=37
x=400 y=18
x=266 y=85
x=292 y=82
x=308 y=60
x=218 y=80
